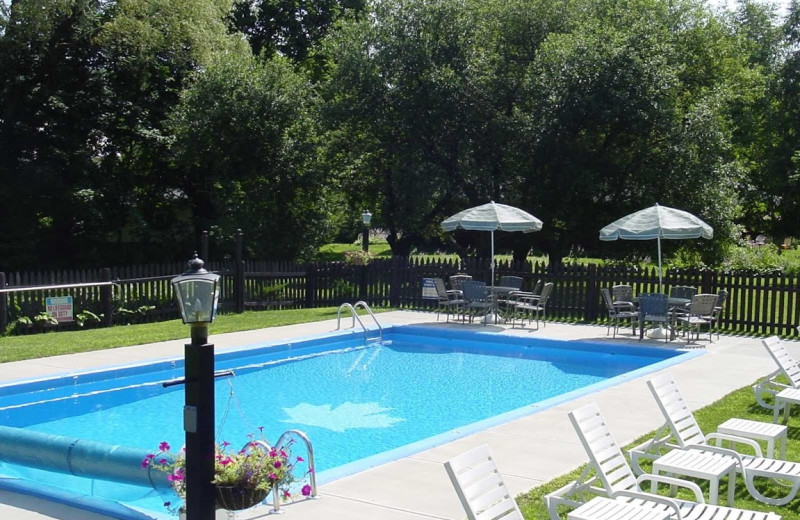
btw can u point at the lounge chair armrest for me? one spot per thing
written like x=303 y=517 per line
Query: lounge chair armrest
x=672 y=481
x=649 y=497
x=733 y=438
x=621 y=305
x=717 y=449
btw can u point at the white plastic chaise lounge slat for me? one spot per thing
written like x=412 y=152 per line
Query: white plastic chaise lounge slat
x=480 y=487
x=628 y=488
x=692 y=440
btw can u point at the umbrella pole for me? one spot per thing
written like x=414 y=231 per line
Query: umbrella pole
x=492 y=282
x=660 y=276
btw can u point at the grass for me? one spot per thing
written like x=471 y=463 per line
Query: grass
x=740 y=403
x=18 y=348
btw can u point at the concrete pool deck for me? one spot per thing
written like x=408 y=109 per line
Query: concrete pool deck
x=529 y=451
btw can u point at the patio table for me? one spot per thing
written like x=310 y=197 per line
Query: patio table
x=495 y=291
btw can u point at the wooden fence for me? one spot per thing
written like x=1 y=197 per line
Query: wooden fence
x=757 y=303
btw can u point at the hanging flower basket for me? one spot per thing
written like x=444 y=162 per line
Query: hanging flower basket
x=236 y=498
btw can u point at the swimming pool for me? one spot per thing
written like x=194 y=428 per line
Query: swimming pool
x=360 y=406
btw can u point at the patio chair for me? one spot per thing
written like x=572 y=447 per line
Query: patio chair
x=530 y=306
x=722 y=297
x=682 y=291
x=787 y=368
x=612 y=476
x=504 y=299
x=448 y=300
x=622 y=293
x=537 y=287
x=480 y=486
x=619 y=311
x=457 y=279
x=654 y=308
x=511 y=281
x=699 y=312
x=685 y=434
x=476 y=299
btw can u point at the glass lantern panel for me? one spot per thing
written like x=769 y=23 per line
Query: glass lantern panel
x=198 y=299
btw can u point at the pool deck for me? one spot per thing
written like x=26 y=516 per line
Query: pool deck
x=529 y=451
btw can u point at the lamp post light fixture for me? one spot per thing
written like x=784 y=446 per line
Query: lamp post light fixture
x=197 y=293
x=366 y=217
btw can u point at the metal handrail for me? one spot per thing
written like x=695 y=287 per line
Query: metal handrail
x=364 y=306
x=355 y=315
x=312 y=472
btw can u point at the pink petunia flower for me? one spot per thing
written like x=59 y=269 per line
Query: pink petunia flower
x=300 y=459
x=306 y=491
x=164 y=446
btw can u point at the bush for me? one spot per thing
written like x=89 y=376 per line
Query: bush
x=762 y=258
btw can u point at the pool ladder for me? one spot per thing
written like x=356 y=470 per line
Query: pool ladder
x=312 y=473
x=356 y=317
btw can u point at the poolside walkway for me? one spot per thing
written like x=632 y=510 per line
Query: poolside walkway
x=529 y=451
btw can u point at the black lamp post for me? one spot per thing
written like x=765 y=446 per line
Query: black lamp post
x=197 y=293
x=366 y=217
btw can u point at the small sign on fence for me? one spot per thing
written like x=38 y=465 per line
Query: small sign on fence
x=429 y=289
x=60 y=307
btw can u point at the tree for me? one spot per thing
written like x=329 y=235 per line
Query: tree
x=410 y=125
x=289 y=28
x=153 y=49
x=50 y=98
x=622 y=111
x=244 y=148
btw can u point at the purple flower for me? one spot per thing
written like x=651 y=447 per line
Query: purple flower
x=300 y=459
x=147 y=460
x=306 y=490
x=278 y=464
x=164 y=446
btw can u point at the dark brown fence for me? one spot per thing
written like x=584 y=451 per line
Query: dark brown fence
x=757 y=303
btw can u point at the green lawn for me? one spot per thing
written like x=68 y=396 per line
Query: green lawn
x=17 y=348
x=740 y=403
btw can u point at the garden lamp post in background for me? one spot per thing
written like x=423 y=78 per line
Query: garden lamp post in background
x=197 y=292
x=366 y=217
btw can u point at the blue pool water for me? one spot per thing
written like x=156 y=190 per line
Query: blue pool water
x=359 y=405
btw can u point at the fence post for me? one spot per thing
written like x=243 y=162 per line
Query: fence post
x=3 y=305
x=705 y=281
x=238 y=280
x=394 y=289
x=590 y=305
x=311 y=285
x=106 y=298
x=363 y=285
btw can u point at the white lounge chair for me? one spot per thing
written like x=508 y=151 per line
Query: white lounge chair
x=614 y=478
x=480 y=486
x=685 y=434
x=787 y=367
x=484 y=495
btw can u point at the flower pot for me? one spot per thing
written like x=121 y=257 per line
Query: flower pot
x=234 y=498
